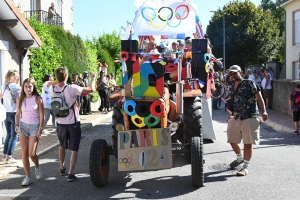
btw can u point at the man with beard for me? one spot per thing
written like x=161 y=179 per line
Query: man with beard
x=244 y=124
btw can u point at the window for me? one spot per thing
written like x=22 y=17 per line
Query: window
x=297 y=28
x=296 y=67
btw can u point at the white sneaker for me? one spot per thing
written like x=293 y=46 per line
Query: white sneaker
x=26 y=181
x=3 y=158
x=38 y=172
x=11 y=160
x=45 y=131
x=54 y=130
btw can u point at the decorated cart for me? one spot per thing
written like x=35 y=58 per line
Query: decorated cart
x=154 y=118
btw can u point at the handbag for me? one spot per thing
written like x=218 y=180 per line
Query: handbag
x=11 y=93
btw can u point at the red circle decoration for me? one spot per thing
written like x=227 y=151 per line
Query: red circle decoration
x=188 y=12
x=154 y=105
x=124 y=53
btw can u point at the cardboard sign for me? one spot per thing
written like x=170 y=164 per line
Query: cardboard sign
x=144 y=149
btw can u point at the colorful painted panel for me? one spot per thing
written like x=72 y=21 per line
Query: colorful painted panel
x=150 y=82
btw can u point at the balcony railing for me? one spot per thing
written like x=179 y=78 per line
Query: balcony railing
x=44 y=17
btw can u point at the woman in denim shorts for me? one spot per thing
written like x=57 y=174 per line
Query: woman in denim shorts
x=29 y=126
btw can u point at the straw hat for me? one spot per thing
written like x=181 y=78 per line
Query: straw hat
x=154 y=52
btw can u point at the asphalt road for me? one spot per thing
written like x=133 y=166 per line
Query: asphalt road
x=273 y=174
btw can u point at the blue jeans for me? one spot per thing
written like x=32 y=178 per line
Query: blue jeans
x=11 y=135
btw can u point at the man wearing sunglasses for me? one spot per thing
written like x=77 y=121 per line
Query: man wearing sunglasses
x=244 y=124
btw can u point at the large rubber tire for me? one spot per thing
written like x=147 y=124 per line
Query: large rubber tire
x=197 y=161
x=99 y=163
x=117 y=118
x=192 y=117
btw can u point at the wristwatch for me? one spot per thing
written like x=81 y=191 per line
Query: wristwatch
x=16 y=125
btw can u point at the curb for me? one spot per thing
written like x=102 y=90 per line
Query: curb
x=85 y=126
x=278 y=127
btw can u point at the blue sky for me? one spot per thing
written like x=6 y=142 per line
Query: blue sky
x=93 y=17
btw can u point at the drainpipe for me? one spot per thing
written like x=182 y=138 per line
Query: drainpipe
x=285 y=43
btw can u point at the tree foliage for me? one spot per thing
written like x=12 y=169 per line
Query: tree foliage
x=73 y=51
x=91 y=56
x=60 y=48
x=46 y=59
x=279 y=14
x=108 y=48
x=252 y=35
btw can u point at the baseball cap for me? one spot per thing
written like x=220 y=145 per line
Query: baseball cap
x=85 y=72
x=235 y=68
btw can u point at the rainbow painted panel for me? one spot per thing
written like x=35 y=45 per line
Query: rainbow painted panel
x=141 y=83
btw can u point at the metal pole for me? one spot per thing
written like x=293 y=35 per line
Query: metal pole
x=224 y=43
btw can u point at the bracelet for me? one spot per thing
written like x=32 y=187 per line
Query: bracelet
x=40 y=128
x=16 y=125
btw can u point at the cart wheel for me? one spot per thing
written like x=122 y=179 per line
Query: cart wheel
x=99 y=163
x=197 y=161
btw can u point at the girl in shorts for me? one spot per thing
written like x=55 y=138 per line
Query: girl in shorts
x=29 y=126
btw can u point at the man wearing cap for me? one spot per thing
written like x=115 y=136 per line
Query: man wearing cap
x=244 y=124
x=162 y=48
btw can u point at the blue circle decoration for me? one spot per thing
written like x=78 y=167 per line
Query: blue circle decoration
x=206 y=57
x=127 y=105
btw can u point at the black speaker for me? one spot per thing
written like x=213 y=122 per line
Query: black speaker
x=129 y=46
x=199 y=48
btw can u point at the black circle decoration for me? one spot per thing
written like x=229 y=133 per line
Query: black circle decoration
x=142 y=109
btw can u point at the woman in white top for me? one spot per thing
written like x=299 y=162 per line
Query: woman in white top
x=47 y=103
x=9 y=93
x=267 y=87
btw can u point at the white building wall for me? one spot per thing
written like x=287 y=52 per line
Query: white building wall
x=292 y=52
x=23 y=5
x=67 y=15
x=63 y=7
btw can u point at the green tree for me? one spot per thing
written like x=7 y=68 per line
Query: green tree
x=279 y=14
x=110 y=42
x=108 y=48
x=91 y=56
x=46 y=59
x=252 y=35
x=72 y=47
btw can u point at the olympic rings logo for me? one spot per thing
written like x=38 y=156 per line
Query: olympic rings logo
x=143 y=113
x=165 y=19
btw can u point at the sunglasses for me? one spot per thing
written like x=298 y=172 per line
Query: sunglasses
x=232 y=73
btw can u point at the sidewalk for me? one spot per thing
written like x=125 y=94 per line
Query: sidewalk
x=277 y=121
x=280 y=121
x=49 y=141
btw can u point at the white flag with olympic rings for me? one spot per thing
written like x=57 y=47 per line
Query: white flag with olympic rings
x=157 y=17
